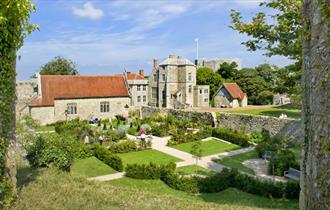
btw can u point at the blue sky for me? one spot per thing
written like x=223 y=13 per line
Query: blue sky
x=104 y=37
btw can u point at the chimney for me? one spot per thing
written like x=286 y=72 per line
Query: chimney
x=141 y=72
x=154 y=63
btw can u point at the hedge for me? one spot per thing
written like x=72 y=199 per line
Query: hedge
x=232 y=136
x=148 y=171
x=108 y=158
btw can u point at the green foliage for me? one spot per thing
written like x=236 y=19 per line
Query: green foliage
x=206 y=76
x=196 y=150
x=14 y=28
x=186 y=184
x=108 y=158
x=148 y=171
x=52 y=150
x=75 y=127
x=59 y=66
x=282 y=161
x=114 y=135
x=228 y=71
x=123 y=147
x=232 y=136
x=265 y=98
x=279 y=36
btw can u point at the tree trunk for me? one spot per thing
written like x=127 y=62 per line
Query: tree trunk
x=315 y=165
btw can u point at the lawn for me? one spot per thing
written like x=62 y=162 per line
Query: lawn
x=209 y=147
x=236 y=161
x=147 y=156
x=90 y=167
x=230 y=196
x=272 y=111
x=70 y=192
x=193 y=169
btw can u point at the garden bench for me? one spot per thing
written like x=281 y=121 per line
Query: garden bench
x=292 y=174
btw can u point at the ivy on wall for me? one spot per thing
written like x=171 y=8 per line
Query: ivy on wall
x=14 y=27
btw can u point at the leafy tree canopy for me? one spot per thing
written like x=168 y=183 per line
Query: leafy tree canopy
x=228 y=70
x=278 y=33
x=206 y=76
x=59 y=66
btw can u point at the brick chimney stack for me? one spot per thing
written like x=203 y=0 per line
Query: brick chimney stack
x=154 y=63
x=141 y=72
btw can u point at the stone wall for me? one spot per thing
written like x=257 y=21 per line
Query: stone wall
x=276 y=126
x=201 y=117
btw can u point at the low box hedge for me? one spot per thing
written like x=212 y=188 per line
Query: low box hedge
x=233 y=136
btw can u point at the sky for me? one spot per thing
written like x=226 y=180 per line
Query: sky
x=104 y=37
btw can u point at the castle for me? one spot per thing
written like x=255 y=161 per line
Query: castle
x=172 y=84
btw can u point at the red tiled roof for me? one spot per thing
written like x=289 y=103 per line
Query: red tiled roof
x=234 y=90
x=66 y=87
x=132 y=76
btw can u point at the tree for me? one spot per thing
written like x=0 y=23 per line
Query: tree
x=279 y=36
x=196 y=151
x=59 y=66
x=315 y=170
x=228 y=70
x=251 y=83
x=206 y=76
x=14 y=27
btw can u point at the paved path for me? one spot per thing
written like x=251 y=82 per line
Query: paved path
x=160 y=144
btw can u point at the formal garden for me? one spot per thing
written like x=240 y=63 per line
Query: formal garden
x=74 y=147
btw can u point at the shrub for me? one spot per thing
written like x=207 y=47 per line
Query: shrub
x=85 y=151
x=52 y=150
x=146 y=127
x=120 y=118
x=122 y=129
x=149 y=171
x=114 y=135
x=186 y=184
x=108 y=158
x=235 y=137
x=123 y=147
x=74 y=127
x=217 y=182
x=157 y=130
x=265 y=97
x=282 y=161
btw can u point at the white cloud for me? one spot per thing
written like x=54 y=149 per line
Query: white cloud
x=88 y=11
x=248 y=3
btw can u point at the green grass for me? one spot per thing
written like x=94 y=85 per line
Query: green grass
x=297 y=152
x=271 y=111
x=46 y=128
x=193 y=169
x=236 y=161
x=230 y=196
x=90 y=167
x=210 y=147
x=53 y=189
x=147 y=156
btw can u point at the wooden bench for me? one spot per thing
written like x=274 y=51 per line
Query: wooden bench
x=292 y=174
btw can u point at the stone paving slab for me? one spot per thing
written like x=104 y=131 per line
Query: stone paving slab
x=108 y=177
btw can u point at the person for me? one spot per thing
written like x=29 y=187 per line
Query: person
x=86 y=140
x=101 y=139
x=142 y=135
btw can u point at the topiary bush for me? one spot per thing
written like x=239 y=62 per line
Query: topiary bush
x=282 y=161
x=108 y=158
x=232 y=136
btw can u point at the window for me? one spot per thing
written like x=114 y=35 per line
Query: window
x=155 y=77
x=104 y=106
x=206 y=99
x=144 y=87
x=200 y=91
x=35 y=89
x=206 y=91
x=72 y=108
x=190 y=89
x=164 y=77
x=154 y=92
x=139 y=99
x=138 y=88
x=189 y=77
x=144 y=98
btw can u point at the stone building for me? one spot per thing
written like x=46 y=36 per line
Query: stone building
x=68 y=97
x=230 y=95
x=137 y=87
x=215 y=63
x=172 y=84
x=26 y=91
x=281 y=99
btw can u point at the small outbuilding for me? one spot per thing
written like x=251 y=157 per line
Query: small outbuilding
x=230 y=95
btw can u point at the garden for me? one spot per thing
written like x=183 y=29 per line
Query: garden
x=66 y=149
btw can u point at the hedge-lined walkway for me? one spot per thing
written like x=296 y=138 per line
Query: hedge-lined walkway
x=160 y=144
